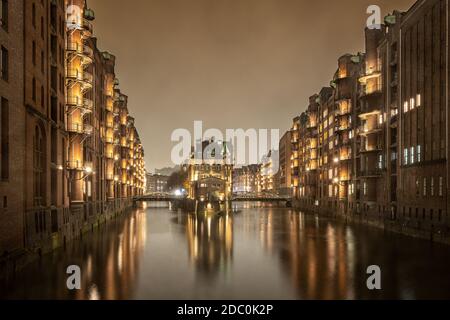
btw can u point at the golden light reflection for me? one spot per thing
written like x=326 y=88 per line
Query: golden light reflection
x=210 y=242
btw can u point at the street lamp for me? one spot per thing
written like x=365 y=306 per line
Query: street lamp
x=88 y=169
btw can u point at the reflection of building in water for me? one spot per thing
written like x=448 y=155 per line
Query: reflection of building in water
x=114 y=266
x=210 y=242
x=108 y=258
x=319 y=269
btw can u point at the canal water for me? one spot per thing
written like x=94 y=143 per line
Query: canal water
x=252 y=253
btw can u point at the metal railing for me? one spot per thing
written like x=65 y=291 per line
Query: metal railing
x=87 y=26
x=88 y=77
x=73 y=73
x=74 y=127
x=75 y=165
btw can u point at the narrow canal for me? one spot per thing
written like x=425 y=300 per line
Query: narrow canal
x=254 y=253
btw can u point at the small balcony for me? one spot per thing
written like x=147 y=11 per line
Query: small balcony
x=83 y=51
x=79 y=128
x=74 y=74
x=85 y=104
x=344 y=141
x=370 y=149
x=88 y=79
x=88 y=51
x=345 y=177
x=74 y=101
x=75 y=128
x=340 y=128
x=109 y=140
x=87 y=28
x=109 y=155
x=88 y=104
x=75 y=165
x=345 y=154
x=88 y=129
x=372 y=89
x=371 y=173
x=343 y=110
x=366 y=131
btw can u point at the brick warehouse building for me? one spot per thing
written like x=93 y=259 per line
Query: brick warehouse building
x=382 y=136
x=71 y=156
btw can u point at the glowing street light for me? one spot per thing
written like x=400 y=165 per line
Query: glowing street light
x=88 y=168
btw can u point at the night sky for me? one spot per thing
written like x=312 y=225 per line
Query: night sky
x=231 y=63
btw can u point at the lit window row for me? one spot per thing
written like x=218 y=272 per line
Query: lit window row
x=412 y=103
x=431 y=191
x=412 y=155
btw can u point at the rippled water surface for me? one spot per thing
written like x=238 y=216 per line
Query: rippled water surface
x=254 y=253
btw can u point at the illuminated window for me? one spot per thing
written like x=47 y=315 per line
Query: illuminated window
x=365 y=188
x=412 y=155
x=380 y=162
x=405 y=107
x=419 y=100
x=419 y=153
x=432 y=187
x=351 y=188
x=413 y=104
x=424 y=187
x=380 y=119
x=405 y=156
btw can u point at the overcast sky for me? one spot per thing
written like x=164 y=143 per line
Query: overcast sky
x=230 y=63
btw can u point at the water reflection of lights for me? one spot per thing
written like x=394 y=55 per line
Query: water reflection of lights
x=89 y=266
x=210 y=241
x=120 y=254
x=289 y=254
x=331 y=249
x=93 y=293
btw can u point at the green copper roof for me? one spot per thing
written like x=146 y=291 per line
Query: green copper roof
x=89 y=14
x=106 y=55
x=356 y=59
x=390 y=19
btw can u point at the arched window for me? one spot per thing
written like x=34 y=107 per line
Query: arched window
x=38 y=167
